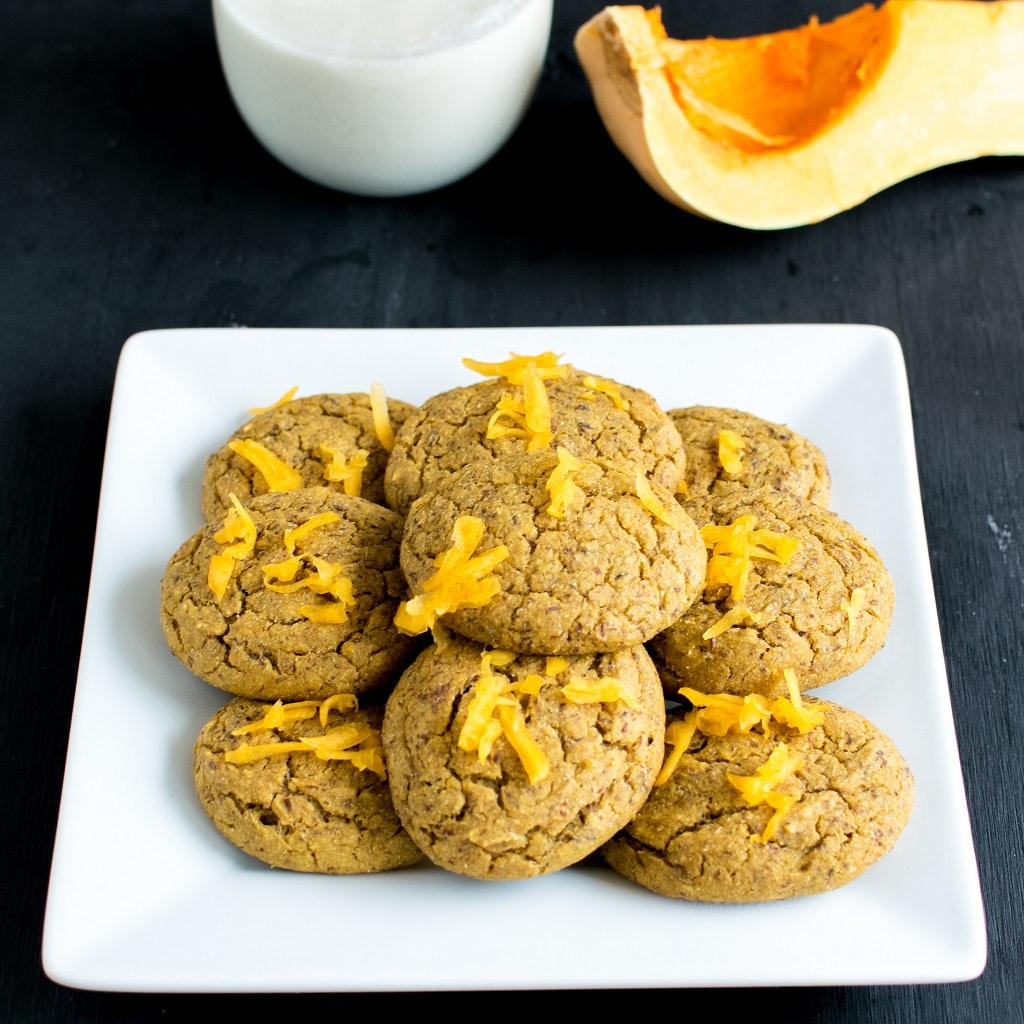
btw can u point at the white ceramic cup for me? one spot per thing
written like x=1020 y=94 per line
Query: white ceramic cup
x=389 y=102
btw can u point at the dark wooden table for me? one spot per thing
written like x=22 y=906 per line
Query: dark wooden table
x=132 y=197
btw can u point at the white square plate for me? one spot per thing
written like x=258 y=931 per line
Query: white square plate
x=146 y=896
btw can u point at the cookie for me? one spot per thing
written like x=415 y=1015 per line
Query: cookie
x=590 y=740
x=318 y=438
x=604 y=575
x=823 y=610
x=618 y=426
x=297 y=810
x=699 y=838
x=757 y=454
x=305 y=610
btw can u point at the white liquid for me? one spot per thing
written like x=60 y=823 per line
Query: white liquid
x=382 y=97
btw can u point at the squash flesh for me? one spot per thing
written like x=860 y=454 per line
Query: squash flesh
x=938 y=81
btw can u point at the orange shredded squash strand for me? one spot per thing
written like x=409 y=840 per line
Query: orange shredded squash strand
x=347 y=472
x=494 y=711
x=283 y=400
x=531 y=685
x=654 y=505
x=256 y=751
x=239 y=534
x=730 y=451
x=513 y=368
x=678 y=736
x=738 y=615
x=761 y=786
x=507 y=420
x=513 y=726
x=792 y=711
x=562 y=488
x=279 y=476
x=293 y=536
x=609 y=388
x=537 y=410
x=853 y=607
x=276 y=573
x=338 y=702
x=381 y=417
x=734 y=546
x=605 y=690
x=461 y=580
x=554 y=665
x=355 y=742
x=278 y=714
x=488 y=691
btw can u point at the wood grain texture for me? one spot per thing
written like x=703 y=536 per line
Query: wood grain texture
x=134 y=198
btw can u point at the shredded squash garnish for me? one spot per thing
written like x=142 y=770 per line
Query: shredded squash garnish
x=513 y=368
x=529 y=418
x=760 y=788
x=734 y=546
x=461 y=581
x=321 y=577
x=792 y=711
x=654 y=505
x=494 y=711
x=355 y=742
x=293 y=536
x=678 y=736
x=721 y=713
x=279 y=476
x=531 y=757
x=283 y=400
x=854 y=606
x=279 y=714
x=239 y=533
x=381 y=417
x=339 y=470
x=554 y=665
x=605 y=690
x=738 y=615
x=281 y=572
x=531 y=685
x=730 y=451
x=339 y=702
x=609 y=388
x=562 y=488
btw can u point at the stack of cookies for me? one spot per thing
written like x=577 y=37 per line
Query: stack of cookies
x=524 y=582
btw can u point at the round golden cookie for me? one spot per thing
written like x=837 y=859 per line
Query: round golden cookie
x=823 y=613
x=297 y=810
x=769 y=455
x=479 y=814
x=286 y=626
x=698 y=838
x=621 y=426
x=305 y=434
x=607 y=575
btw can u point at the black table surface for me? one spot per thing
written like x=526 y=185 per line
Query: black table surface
x=133 y=197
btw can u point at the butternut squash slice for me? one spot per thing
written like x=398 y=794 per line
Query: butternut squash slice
x=789 y=128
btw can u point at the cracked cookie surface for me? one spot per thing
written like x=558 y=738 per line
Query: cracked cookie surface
x=255 y=642
x=772 y=455
x=295 y=810
x=298 y=432
x=810 y=616
x=482 y=817
x=697 y=839
x=449 y=431
x=607 y=575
